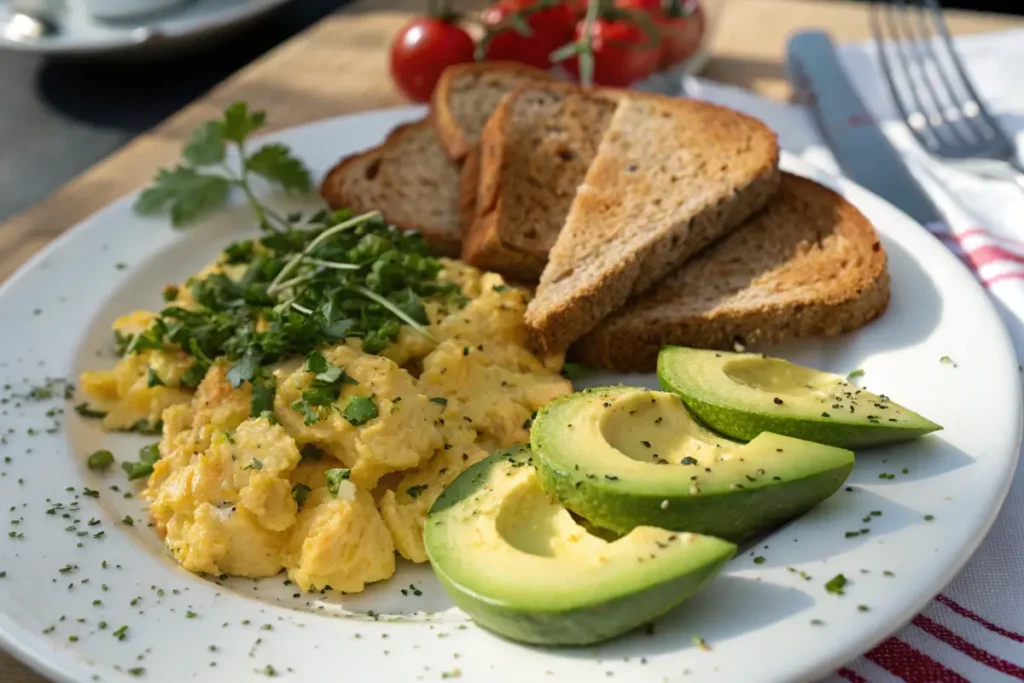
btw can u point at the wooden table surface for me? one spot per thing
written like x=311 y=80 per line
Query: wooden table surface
x=340 y=66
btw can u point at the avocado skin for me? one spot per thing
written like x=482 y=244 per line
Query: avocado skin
x=746 y=425
x=587 y=626
x=734 y=516
x=594 y=623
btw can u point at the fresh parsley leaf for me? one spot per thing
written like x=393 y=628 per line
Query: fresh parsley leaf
x=855 y=373
x=256 y=464
x=239 y=122
x=246 y=367
x=148 y=455
x=100 y=461
x=153 y=379
x=334 y=478
x=315 y=362
x=188 y=193
x=299 y=493
x=441 y=401
x=263 y=391
x=310 y=415
x=276 y=163
x=195 y=374
x=359 y=410
x=239 y=252
x=206 y=145
x=415 y=491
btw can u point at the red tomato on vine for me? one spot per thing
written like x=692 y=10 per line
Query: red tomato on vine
x=623 y=53
x=551 y=28
x=424 y=48
x=682 y=32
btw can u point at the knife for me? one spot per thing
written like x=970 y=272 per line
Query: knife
x=858 y=144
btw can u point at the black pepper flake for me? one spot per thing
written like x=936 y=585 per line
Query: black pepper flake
x=778 y=401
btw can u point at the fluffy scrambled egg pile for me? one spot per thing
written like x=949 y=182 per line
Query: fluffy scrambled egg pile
x=234 y=494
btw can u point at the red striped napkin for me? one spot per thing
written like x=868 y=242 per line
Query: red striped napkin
x=973 y=630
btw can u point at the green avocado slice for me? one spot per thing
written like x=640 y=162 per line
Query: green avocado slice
x=623 y=457
x=743 y=394
x=518 y=563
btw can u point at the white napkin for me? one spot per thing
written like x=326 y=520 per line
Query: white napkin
x=974 y=630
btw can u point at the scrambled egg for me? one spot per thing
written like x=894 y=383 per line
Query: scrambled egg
x=254 y=496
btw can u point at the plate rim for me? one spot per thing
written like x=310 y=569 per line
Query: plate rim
x=31 y=649
x=235 y=14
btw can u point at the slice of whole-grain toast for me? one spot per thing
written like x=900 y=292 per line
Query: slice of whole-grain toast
x=809 y=264
x=534 y=152
x=408 y=178
x=670 y=176
x=465 y=96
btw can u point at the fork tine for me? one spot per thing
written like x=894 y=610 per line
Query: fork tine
x=962 y=99
x=911 y=112
x=951 y=114
x=975 y=103
x=933 y=105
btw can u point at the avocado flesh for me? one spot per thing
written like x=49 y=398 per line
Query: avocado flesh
x=518 y=563
x=624 y=457
x=739 y=394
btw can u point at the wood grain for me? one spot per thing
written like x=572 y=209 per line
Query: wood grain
x=340 y=66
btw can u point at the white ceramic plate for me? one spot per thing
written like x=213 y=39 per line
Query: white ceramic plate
x=756 y=616
x=172 y=29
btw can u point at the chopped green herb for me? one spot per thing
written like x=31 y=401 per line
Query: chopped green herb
x=855 y=373
x=84 y=410
x=334 y=478
x=758 y=560
x=256 y=464
x=946 y=360
x=100 y=461
x=148 y=455
x=360 y=409
x=153 y=379
x=929 y=518
x=836 y=585
x=439 y=401
x=121 y=633
x=415 y=491
x=128 y=521
x=299 y=493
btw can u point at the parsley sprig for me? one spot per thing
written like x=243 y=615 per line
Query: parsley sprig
x=203 y=179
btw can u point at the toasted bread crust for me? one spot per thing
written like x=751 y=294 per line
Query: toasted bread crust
x=834 y=280
x=569 y=304
x=456 y=141
x=493 y=241
x=469 y=175
x=338 y=193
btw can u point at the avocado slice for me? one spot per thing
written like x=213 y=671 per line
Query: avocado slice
x=517 y=562
x=623 y=457
x=743 y=394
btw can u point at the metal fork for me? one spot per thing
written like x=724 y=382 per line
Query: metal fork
x=934 y=94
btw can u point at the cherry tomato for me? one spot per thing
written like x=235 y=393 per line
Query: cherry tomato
x=552 y=28
x=681 y=36
x=652 y=7
x=424 y=48
x=622 y=54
